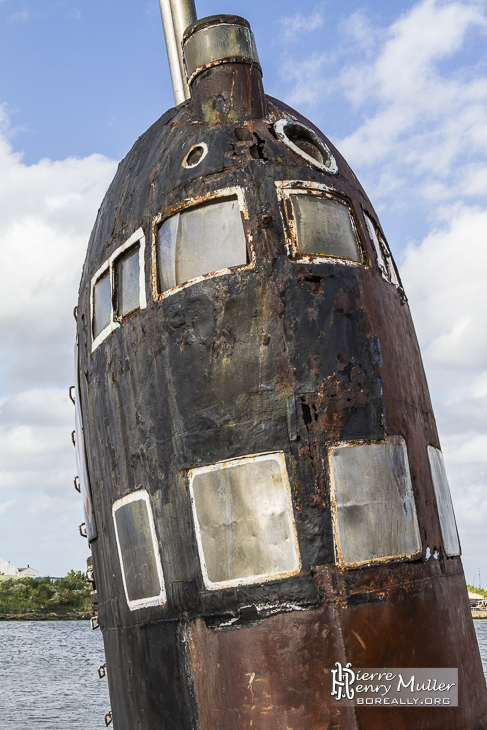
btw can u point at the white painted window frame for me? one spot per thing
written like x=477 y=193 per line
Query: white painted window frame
x=280 y=129
x=160 y=599
x=137 y=237
x=444 y=503
x=266 y=577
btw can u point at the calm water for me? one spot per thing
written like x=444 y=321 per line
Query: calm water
x=49 y=679
x=481 y=631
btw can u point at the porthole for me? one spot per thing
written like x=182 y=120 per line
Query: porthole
x=304 y=142
x=196 y=154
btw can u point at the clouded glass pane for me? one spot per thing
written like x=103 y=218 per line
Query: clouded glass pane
x=443 y=500
x=245 y=523
x=166 y=252
x=102 y=304
x=323 y=226
x=210 y=238
x=138 y=551
x=375 y=510
x=128 y=285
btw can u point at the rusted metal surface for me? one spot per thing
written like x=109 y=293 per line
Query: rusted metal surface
x=275 y=356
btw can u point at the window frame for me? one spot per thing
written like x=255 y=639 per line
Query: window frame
x=285 y=190
x=161 y=598
x=385 y=250
x=110 y=265
x=196 y=202
x=210 y=585
x=444 y=502
x=338 y=539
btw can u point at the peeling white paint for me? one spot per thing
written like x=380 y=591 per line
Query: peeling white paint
x=330 y=166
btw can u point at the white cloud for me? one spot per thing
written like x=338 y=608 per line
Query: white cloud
x=416 y=93
x=418 y=99
x=445 y=280
x=423 y=121
x=4 y=507
x=299 y=24
x=22 y=16
x=46 y=211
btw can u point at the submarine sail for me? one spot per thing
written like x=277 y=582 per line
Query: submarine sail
x=263 y=482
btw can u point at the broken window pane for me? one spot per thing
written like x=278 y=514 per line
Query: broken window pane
x=199 y=241
x=381 y=260
x=323 y=226
x=448 y=525
x=127 y=282
x=102 y=303
x=244 y=519
x=375 y=510
x=393 y=272
x=138 y=551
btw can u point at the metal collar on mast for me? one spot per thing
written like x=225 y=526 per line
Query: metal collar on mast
x=177 y=15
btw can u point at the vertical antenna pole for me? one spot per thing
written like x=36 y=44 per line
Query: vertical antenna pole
x=176 y=16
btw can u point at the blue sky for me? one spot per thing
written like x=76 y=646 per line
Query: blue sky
x=400 y=87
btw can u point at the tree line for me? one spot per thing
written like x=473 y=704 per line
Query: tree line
x=70 y=595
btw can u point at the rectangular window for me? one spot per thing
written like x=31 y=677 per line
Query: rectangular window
x=102 y=303
x=323 y=226
x=385 y=261
x=138 y=551
x=128 y=282
x=118 y=287
x=373 y=503
x=200 y=241
x=244 y=521
x=448 y=525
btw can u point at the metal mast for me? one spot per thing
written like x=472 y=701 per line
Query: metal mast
x=177 y=15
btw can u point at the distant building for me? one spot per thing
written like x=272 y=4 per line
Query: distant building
x=28 y=573
x=8 y=569
x=475 y=599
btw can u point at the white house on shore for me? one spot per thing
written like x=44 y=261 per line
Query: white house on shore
x=11 y=571
x=8 y=569
x=28 y=573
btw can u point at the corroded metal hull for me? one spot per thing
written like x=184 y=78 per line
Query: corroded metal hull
x=301 y=355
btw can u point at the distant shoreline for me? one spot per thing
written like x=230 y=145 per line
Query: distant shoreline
x=32 y=616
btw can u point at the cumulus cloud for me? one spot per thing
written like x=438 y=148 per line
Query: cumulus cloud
x=22 y=16
x=47 y=211
x=416 y=107
x=299 y=24
x=423 y=120
x=445 y=280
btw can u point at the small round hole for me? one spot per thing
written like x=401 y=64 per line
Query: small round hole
x=197 y=153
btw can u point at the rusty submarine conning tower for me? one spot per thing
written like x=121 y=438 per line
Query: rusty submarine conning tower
x=262 y=479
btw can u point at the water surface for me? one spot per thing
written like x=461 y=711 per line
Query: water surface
x=49 y=678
